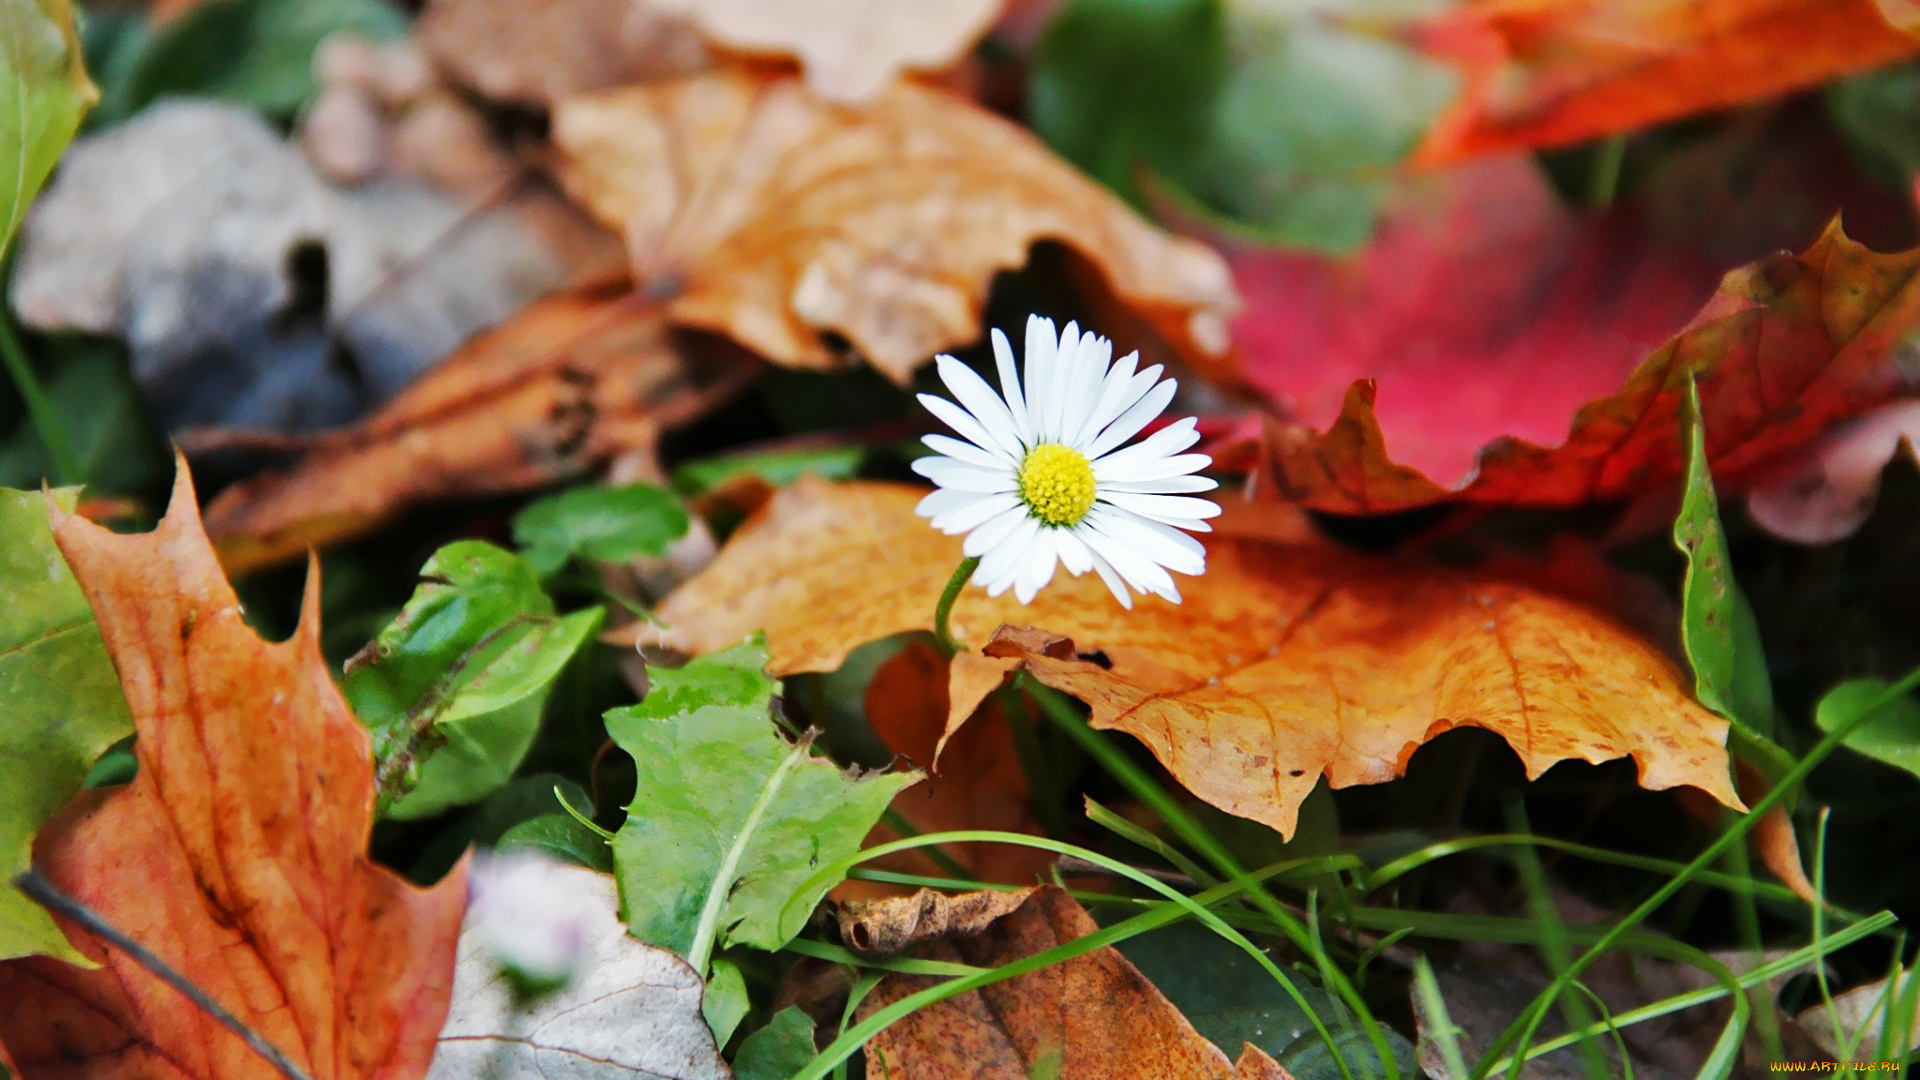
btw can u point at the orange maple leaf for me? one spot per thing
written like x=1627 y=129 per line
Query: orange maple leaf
x=1287 y=662
x=237 y=854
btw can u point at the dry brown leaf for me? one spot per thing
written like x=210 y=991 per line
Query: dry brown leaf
x=538 y=53
x=1286 y=663
x=980 y=783
x=850 y=49
x=237 y=854
x=565 y=384
x=1094 y=1017
x=766 y=214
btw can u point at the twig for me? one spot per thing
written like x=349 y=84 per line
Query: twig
x=42 y=891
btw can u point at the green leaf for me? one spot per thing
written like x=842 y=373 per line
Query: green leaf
x=94 y=400
x=725 y=1002
x=257 y=53
x=453 y=688
x=1890 y=736
x=561 y=836
x=777 y=1051
x=1119 y=85
x=519 y=801
x=1878 y=116
x=1717 y=626
x=1230 y=1000
x=47 y=92
x=63 y=704
x=777 y=467
x=1282 y=126
x=599 y=524
x=729 y=818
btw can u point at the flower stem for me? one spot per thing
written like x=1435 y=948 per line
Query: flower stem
x=943 y=611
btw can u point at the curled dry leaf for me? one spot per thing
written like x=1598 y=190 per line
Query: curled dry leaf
x=237 y=854
x=567 y=383
x=1549 y=72
x=979 y=784
x=1285 y=663
x=766 y=214
x=889 y=925
x=850 y=49
x=1787 y=347
x=630 y=1010
x=1094 y=1017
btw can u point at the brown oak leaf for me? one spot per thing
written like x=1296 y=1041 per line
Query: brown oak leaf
x=237 y=854
x=567 y=383
x=1285 y=663
x=762 y=212
x=1094 y=1017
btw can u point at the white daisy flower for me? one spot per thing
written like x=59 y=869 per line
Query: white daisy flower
x=1045 y=476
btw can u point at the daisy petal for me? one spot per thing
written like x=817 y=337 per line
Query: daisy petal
x=992 y=533
x=959 y=420
x=1151 y=470
x=949 y=473
x=980 y=400
x=1173 y=485
x=975 y=514
x=1172 y=509
x=1041 y=347
x=1163 y=544
x=1113 y=400
x=1166 y=442
x=1073 y=552
x=1084 y=388
x=1038 y=571
x=965 y=451
x=1115 y=583
x=1138 y=415
x=1138 y=571
x=941 y=500
x=1010 y=387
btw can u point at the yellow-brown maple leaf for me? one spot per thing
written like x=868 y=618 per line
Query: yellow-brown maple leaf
x=237 y=854
x=765 y=213
x=1286 y=662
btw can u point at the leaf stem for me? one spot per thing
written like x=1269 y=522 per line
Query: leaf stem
x=46 y=421
x=45 y=893
x=707 y=930
x=943 y=611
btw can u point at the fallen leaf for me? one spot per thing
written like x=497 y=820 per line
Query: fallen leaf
x=1285 y=663
x=1549 y=72
x=565 y=384
x=629 y=1010
x=979 y=784
x=44 y=91
x=763 y=213
x=237 y=854
x=249 y=291
x=1827 y=491
x=1868 y=1022
x=1093 y=1016
x=1504 y=335
x=729 y=819
x=452 y=690
x=849 y=49
x=538 y=54
x=64 y=706
x=889 y=925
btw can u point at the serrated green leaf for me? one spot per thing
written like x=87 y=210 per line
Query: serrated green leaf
x=46 y=92
x=777 y=1051
x=453 y=688
x=729 y=818
x=1717 y=626
x=63 y=705
x=561 y=836
x=1890 y=736
x=599 y=524
x=257 y=53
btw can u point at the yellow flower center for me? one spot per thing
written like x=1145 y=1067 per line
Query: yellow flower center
x=1056 y=483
